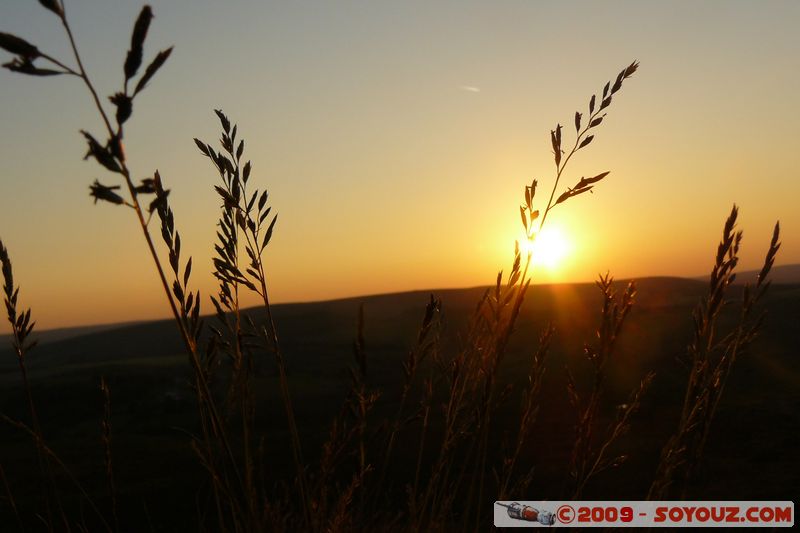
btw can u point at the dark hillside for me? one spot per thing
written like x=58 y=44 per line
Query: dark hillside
x=751 y=454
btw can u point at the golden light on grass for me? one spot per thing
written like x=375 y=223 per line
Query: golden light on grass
x=467 y=377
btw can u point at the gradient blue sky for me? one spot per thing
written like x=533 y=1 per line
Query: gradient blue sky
x=388 y=175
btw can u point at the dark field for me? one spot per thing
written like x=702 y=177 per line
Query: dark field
x=751 y=454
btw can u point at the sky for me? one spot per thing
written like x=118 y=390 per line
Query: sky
x=396 y=139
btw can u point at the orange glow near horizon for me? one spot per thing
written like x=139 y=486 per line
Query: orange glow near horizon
x=395 y=140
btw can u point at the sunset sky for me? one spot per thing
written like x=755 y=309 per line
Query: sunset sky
x=396 y=139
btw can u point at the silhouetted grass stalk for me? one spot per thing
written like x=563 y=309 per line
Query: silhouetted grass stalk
x=472 y=373
x=530 y=410
x=588 y=458
x=21 y=329
x=105 y=426
x=246 y=213
x=712 y=354
x=416 y=355
x=10 y=497
x=112 y=156
x=51 y=455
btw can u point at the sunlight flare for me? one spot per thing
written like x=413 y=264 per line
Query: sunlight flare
x=549 y=249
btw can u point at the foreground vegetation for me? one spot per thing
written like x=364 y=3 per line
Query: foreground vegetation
x=444 y=446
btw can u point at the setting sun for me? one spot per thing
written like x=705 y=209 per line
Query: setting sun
x=549 y=249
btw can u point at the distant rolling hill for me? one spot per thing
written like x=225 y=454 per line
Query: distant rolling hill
x=782 y=274
x=391 y=319
x=751 y=453
x=58 y=334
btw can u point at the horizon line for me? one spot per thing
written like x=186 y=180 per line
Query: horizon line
x=132 y=322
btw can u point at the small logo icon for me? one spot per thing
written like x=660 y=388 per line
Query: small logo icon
x=565 y=514
x=527 y=513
